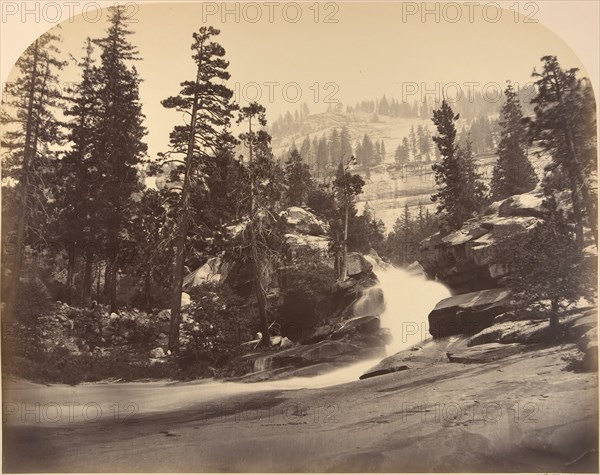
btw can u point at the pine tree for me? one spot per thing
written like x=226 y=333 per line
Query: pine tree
x=298 y=178
x=265 y=234
x=424 y=142
x=513 y=173
x=412 y=137
x=565 y=127
x=460 y=190
x=346 y=146
x=78 y=204
x=402 y=152
x=335 y=147
x=27 y=140
x=346 y=187
x=207 y=103
x=118 y=146
x=368 y=151
x=549 y=265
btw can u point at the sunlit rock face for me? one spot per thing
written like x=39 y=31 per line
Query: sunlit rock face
x=476 y=256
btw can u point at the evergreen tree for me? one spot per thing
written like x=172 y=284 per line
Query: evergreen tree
x=346 y=187
x=460 y=190
x=368 y=151
x=118 y=145
x=264 y=232
x=335 y=148
x=346 y=146
x=78 y=205
x=358 y=153
x=207 y=103
x=27 y=139
x=402 y=152
x=298 y=178
x=565 y=127
x=424 y=142
x=412 y=137
x=549 y=266
x=513 y=173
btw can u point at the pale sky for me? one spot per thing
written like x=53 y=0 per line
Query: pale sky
x=373 y=49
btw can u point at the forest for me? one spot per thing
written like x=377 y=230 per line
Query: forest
x=82 y=228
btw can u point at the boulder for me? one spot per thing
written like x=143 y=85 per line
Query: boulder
x=302 y=221
x=366 y=325
x=157 y=353
x=527 y=204
x=477 y=256
x=468 y=313
x=286 y=343
x=162 y=339
x=301 y=242
x=317 y=334
x=186 y=300
x=304 y=355
x=357 y=264
x=215 y=269
x=164 y=315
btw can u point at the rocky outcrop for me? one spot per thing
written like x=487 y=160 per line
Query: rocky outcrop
x=301 y=221
x=357 y=264
x=579 y=325
x=216 y=269
x=477 y=256
x=300 y=356
x=304 y=234
x=468 y=313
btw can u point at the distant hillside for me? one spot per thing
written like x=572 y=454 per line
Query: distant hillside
x=389 y=186
x=389 y=129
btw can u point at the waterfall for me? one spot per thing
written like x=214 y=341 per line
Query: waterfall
x=408 y=301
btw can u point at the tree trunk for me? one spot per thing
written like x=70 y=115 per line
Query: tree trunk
x=107 y=277
x=259 y=290
x=70 y=272
x=554 y=322
x=179 y=267
x=178 y=286
x=87 y=280
x=344 y=263
x=577 y=183
x=112 y=289
x=148 y=293
x=98 y=275
x=28 y=155
x=576 y=204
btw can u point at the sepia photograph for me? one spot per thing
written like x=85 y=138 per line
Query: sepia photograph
x=287 y=237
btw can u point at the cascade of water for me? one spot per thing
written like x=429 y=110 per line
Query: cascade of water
x=408 y=301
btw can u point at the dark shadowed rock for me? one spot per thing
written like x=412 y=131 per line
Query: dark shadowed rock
x=468 y=313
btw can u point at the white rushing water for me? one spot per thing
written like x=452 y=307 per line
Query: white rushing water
x=405 y=305
x=408 y=301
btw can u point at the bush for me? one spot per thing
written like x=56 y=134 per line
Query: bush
x=222 y=321
x=306 y=297
x=34 y=300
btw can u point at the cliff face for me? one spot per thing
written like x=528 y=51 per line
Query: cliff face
x=474 y=262
x=476 y=256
